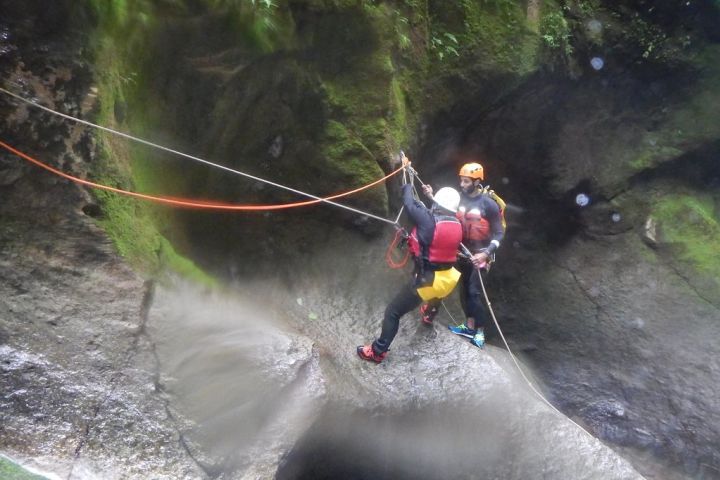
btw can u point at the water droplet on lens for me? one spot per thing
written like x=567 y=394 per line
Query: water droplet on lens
x=595 y=26
x=582 y=199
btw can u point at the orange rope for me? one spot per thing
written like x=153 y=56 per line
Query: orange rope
x=393 y=245
x=189 y=203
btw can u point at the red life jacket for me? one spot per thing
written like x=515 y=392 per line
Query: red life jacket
x=445 y=243
x=475 y=227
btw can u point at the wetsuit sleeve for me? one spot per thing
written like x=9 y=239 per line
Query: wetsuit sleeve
x=494 y=218
x=420 y=215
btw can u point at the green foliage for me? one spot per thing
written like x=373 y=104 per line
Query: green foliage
x=588 y=8
x=399 y=115
x=694 y=121
x=361 y=94
x=265 y=24
x=652 y=156
x=402 y=25
x=649 y=37
x=555 y=33
x=504 y=7
x=444 y=44
x=123 y=16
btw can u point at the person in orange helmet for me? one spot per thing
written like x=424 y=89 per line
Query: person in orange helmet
x=483 y=230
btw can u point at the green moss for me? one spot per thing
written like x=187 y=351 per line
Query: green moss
x=690 y=223
x=398 y=134
x=367 y=106
x=497 y=49
x=130 y=223
x=349 y=157
x=653 y=156
x=699 y=117
x=11 y=471
x=496 y=33
x=693 y=121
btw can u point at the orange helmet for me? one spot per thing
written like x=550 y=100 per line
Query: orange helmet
x=472 y=170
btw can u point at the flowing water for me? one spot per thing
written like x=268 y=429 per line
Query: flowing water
x=263 y=381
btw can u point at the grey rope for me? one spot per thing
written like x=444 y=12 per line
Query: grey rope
x=512 y=356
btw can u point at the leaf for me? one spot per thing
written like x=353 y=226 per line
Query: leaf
x=451 y=37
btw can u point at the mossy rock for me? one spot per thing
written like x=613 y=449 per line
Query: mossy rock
x=478 y=52
x=131 y=223
x=688 y=232
x=690 y=122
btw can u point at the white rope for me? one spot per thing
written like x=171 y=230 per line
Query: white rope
x=397 y=219
x=466 y=251
x=517 y=364
x=191 y=157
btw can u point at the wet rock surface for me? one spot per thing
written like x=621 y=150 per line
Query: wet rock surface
x=247 y=386
x=77 y=371
x=109 y=377
x=625 y=349
x=614 y=312
x=103 y=376
x=437 y=406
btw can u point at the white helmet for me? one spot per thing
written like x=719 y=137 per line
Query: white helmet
x=448 y=198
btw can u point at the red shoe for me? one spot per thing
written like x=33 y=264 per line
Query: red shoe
x=427 y=313
x=367 y=353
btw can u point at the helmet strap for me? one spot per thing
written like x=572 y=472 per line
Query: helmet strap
x=477 y=187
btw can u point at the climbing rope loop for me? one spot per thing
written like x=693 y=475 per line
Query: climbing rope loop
x=396 y=243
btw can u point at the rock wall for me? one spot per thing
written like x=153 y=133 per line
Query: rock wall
x=613 y=302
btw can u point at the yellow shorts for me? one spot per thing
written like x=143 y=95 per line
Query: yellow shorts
x=442 y=286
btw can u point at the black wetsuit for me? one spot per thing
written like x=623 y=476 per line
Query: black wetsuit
x=408 y=298
x=471 y=296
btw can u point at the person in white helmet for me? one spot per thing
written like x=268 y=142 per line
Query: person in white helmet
x=434 y=243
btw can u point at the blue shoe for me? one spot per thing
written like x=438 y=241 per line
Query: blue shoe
x=478 y=339
x=462 y=330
